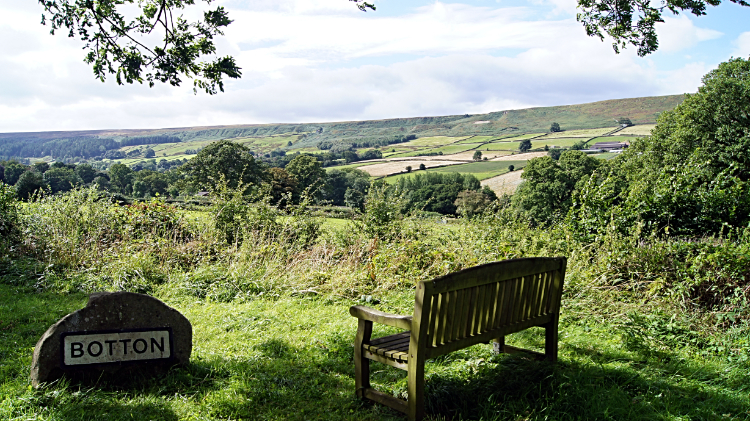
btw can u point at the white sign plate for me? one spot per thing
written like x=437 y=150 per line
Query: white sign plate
x=102 y=347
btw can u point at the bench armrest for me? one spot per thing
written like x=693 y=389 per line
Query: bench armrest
x=367 y=313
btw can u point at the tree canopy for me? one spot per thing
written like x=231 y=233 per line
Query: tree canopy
x=125 y=47
x=633 y=21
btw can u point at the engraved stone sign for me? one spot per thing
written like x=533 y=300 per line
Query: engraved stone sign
x=119 y=334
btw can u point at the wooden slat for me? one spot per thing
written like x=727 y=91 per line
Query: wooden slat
x=507 y=305
x=531 y=296
x=388 y=361
x=486 y=336
x=494 y=272
x=501 y=293
x=432 y=320
x=450 y=322
x=542 y=293
x=460 y=305
x=444 y=303
x=492 y=307
x=390 y=338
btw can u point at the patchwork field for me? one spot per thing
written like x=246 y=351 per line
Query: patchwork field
x=504 y=184
x=579 y=133
x=481 y=170
x=639 y=130
x=394 y=167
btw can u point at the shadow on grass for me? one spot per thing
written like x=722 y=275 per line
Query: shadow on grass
x=278 y=380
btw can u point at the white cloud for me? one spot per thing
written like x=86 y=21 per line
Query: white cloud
x=742 y=45
x=679 y=33
x=303 y=61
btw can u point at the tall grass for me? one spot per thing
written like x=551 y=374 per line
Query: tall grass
x=650 y=325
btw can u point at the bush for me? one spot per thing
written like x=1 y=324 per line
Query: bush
x=9 y=219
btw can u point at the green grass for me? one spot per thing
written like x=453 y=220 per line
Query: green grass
x=501 y=146
x=480 y=139
x=290 y=358
x=352 y=165
x=431 y=141
x=481 y=170
x=587 y=133
x=521 y=137
x=560 y=142
x=611 y=139
x=451 y=149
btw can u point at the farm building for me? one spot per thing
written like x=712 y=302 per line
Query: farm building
x=610 y=146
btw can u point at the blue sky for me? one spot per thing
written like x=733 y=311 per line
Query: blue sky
x=323 y=60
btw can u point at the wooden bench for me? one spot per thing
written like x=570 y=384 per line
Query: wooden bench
x=475 y=305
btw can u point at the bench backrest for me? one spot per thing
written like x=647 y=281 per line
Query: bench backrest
x=485 y=302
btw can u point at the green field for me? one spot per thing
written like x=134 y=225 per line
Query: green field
x=588 y=133
x=431 y=141
x=611 y=139
x=559 y=142
x=451 y=149
x=480 y=139
x=481 y=170
x=639 y=130
x=501 y=146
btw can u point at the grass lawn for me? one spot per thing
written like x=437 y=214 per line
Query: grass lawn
x=290 y=358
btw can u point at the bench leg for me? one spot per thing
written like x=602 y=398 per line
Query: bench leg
x=550 y=340
x=362 y=364
x=498 y=345
x=415 y=385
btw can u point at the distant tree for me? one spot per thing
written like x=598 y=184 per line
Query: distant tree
x=349 y=156
x=121 y=178
x=339 y=182
x=477 y=156
x=474 y=202
x=149 y=153
x=580 y=145
x=114 y=154
x=554 y=128
x=525 y=145
x=546 y=148
x=511 y=168
x=41 y=167
x=624 y=121
x=2 y=173
x=224 y=162
x=372 y=154
x=148 y=183
x=28 y=183
x=433 y=191
x=547 y=190
x=408 y=168
x=555 y=153
x=13 y=170
x=422 y=166
x=283 y=185
x=61 y=179
x=101 y=183
x=86 y=172
x=309 y=173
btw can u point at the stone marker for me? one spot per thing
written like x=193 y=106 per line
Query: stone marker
x=119 y=334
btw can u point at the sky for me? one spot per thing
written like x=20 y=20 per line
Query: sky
x=324 y=60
